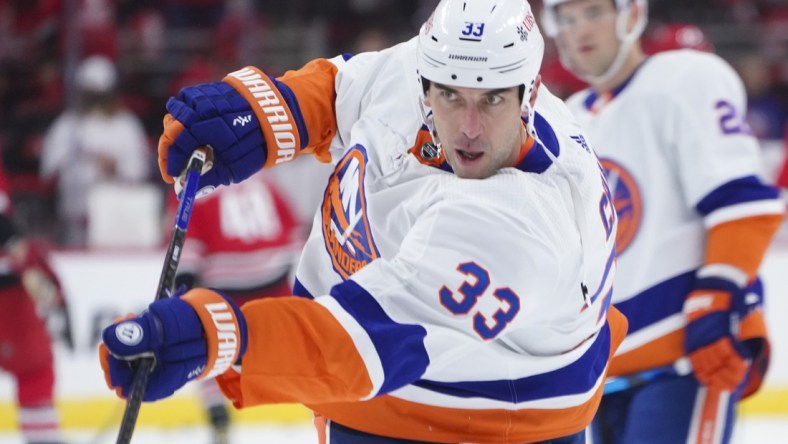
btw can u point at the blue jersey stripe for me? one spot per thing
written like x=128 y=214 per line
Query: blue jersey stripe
x=658 y=302
x=400 y=346
x=537 y=161
x=667 y=298
x=576 y=378
x=737 y=191
x=300 y=290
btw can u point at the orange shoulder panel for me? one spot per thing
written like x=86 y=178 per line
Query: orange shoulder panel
x=742 y=242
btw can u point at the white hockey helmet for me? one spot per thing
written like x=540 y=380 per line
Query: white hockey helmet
x=481 y=44
x=626 y=38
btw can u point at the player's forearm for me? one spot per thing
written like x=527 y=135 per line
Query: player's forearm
x=295 y=111
x=742 y=243
x=251 y=121
x=297 y=352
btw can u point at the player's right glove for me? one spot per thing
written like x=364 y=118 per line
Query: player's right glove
x=719 y=360
x=196 y=335
x=241 y=118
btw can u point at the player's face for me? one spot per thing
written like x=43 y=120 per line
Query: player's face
x=587 y=35
x=479 y=129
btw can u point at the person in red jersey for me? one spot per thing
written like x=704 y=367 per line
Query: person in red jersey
x=27 y=285
x=244 y=242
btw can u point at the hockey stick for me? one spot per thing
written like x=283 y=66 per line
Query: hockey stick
x=166 y=282
x=681 y=367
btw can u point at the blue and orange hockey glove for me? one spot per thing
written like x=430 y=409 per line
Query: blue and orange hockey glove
x=719 y=360
x=196 y=335
x=245 y=119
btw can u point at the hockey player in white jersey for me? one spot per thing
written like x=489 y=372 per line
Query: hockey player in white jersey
x=456 y=285
x=695 y=219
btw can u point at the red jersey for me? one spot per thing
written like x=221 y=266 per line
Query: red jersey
x=241 y=238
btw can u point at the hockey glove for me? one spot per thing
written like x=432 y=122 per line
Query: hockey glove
x=719 y=360
x=212 y=114
x=245 y=119
x=196 y=335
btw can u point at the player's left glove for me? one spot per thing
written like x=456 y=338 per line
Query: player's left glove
x=212 y=114
x=719 y=360
x=196 y=335
x=246 y=119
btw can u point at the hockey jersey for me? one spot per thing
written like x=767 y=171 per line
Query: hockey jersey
x=242 y=239
x=680 y=162
x=436 y=308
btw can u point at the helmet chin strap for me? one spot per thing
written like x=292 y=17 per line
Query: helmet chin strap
x=528 y=111
x=432 y=150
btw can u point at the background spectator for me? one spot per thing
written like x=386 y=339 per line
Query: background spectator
x=159 y=46
x=95 y=142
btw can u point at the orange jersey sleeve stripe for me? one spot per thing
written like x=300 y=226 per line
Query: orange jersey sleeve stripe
x=313 y=86
x=657 y=353
x=297 y=352
x=390 y=416
x=742 y=242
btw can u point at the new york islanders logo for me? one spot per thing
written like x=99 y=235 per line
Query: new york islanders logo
x=346 y=231
x=627 y=201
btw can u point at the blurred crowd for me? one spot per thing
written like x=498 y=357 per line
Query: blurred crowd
x=83 y=83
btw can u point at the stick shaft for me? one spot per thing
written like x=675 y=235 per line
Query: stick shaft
x=165 y=288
